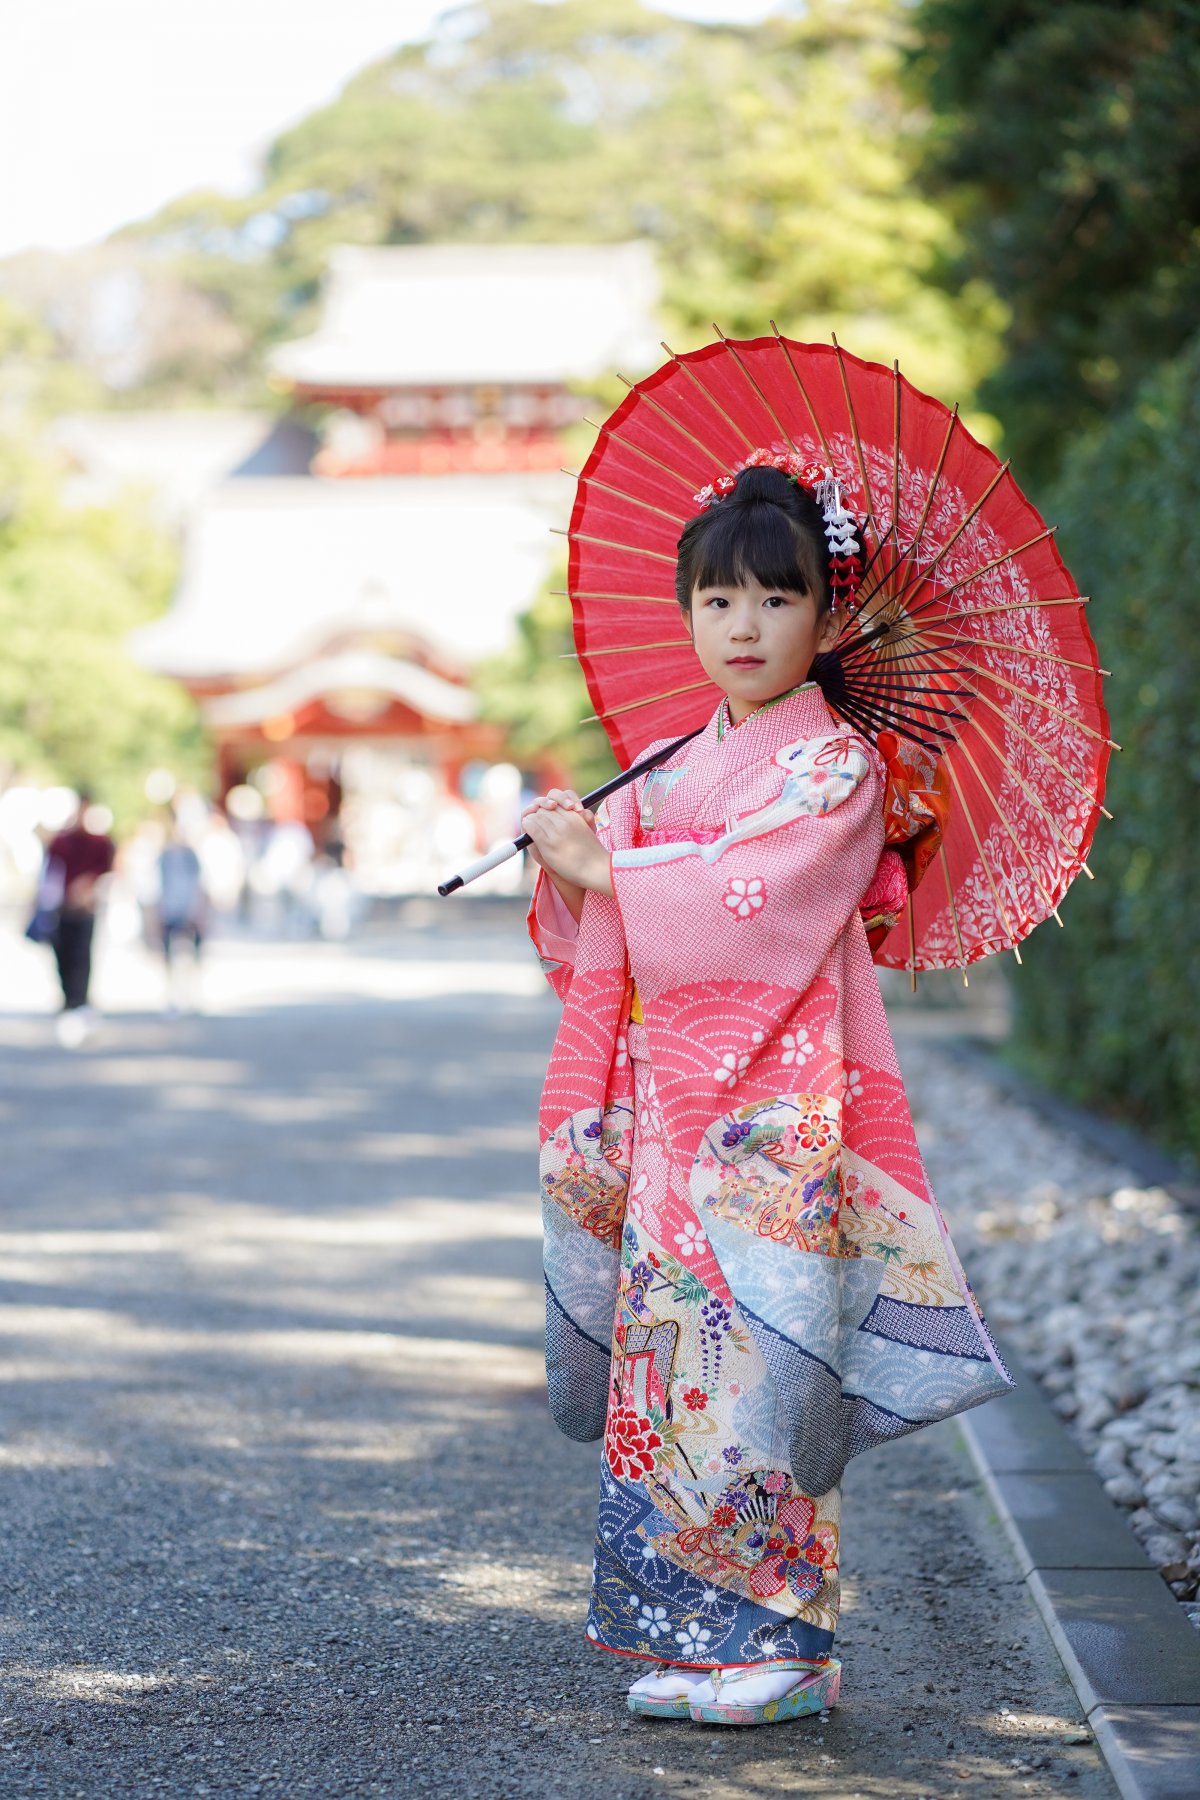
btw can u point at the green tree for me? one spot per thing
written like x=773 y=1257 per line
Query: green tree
x=1109 y=1008
x=1067 y=141
x=74 y=582
x=37 y=380
x=535 y=689
x=773 y=165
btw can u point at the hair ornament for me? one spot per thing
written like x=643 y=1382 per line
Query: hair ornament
x=715 y=490
x=841 y=535
x=819 y=480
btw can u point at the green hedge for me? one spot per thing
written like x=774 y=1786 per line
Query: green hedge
x=1108 y=1011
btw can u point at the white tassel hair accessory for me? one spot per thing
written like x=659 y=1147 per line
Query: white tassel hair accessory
x=841 y=535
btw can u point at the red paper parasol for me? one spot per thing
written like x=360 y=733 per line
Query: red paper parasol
x=967 y=634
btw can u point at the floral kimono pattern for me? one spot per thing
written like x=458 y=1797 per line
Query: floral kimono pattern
x=748 y=1280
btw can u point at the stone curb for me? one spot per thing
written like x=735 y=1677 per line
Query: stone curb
x=1130 y=1653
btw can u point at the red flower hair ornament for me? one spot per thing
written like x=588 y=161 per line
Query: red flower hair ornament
x=819 y=480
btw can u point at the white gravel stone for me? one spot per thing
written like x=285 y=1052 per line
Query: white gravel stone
x=1110 y=1461
x=1182 y=1514
x=1093 y=1277
x=1124 y=1490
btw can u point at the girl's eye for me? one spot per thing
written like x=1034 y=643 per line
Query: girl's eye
x=775 y=600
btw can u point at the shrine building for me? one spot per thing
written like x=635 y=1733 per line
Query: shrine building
x=342 y=579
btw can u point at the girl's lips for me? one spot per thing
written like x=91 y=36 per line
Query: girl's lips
x=745 y=662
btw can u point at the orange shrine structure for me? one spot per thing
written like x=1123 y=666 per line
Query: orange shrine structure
x=342 y=580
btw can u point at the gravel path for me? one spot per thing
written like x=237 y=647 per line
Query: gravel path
x=284 y=1511
x=1095 y=1279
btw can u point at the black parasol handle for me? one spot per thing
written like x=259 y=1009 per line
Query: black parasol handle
x=500 y=853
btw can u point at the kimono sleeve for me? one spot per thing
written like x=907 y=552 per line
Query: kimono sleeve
x=770 y=898
x=554 y=934
x=552 y=929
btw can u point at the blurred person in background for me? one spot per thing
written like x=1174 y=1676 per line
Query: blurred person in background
x=77 y=861
x=182 y=911
x=281 y=877
x=222 y=863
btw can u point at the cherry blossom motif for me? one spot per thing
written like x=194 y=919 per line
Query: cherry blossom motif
x=745 y=896
x=851 y=1083
x=642 y=1204
x=797 y=1048
x=691 y=1241
x=859 y=1192
x=647 y=1112
x=732 y=1068
x=653 y=1620
x=692 y=1640
x=814 y=1132
x=622 y=1056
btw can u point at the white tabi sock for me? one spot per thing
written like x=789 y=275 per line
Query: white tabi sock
x=669 y=1684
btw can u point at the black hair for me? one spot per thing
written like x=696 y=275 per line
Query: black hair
x=769 y=528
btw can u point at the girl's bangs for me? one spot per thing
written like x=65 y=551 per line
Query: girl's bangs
x=756 y=540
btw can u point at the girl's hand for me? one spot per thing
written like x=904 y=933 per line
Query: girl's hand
x=560 y=800
x=565 y=844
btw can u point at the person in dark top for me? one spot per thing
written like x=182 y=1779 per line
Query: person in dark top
x=83 y=858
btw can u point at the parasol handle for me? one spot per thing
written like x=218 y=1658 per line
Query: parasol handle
x=500 y=853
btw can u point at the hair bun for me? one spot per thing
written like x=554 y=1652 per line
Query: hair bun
x=766 y=484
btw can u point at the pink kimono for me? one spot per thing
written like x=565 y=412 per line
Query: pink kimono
x=748 y=1280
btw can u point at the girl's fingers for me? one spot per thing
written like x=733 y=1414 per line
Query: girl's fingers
x=558 y=800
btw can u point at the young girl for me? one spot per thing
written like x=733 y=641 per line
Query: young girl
x=748 y=1280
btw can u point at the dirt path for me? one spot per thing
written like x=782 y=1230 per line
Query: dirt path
x=284 y=1511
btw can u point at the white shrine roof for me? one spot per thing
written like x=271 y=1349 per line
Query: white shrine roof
x=276 y=570
x=448 y=314
x=351 y=671
x=175 y=456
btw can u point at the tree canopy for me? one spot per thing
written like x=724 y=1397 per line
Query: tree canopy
x=1108 y=1007
x=1066 y=139
x=772 y=165
x=1067 y=142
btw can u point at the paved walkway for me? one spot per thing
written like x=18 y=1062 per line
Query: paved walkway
x=284 y=1511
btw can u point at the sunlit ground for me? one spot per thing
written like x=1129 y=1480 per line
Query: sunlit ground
x=284 y=1510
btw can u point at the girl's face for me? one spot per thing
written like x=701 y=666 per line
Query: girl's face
x=756 y=642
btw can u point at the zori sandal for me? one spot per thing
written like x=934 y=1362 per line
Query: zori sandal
x=767 y=1693
x=666 y=1693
